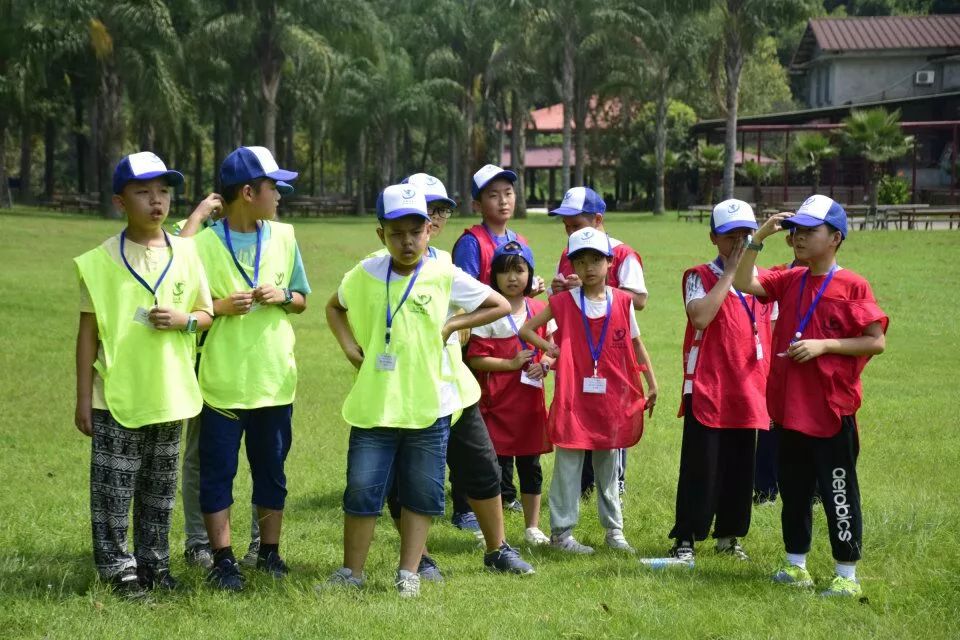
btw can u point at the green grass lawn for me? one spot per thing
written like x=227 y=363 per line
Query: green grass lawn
x=909 y=467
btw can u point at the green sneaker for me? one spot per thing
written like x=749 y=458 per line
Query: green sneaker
x=793 y=575
x=841 y=586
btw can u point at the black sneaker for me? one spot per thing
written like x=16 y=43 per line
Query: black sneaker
x=126 y=585
x=732 y=548
x=273 y=564
x=150 y=579
x=506 y=559
x=682 y=550
x=199 y=556
x=226 y=575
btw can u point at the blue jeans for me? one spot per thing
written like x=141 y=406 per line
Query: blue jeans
x=416 y=457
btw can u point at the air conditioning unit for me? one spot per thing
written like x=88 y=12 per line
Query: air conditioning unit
x=923 y=78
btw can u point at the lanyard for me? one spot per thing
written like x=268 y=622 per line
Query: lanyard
x=805 y=320
x=595 y=349
x=163 y=274
x=233 y=254
x=493 y=238
x=750 y=309
x=513 y=325
x=393 y=314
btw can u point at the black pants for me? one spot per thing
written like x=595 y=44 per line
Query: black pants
x=528 y=471
x=586 y=476
x=474 y=469
x=716 y=480
x=830 y=464
x=765 y=476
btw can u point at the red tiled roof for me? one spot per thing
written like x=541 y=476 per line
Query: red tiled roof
x=552 y=158
x=879 y=33
x=887 y=32
x=550 y=119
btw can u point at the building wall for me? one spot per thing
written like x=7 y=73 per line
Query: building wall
x=841 y=80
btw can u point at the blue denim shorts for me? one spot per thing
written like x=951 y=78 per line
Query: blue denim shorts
x=415 y=457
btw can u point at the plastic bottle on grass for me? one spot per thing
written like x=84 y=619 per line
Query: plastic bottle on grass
x=666 y=563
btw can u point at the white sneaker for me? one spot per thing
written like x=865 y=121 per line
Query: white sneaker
x=342 y=578
x=535 y=537
x=569 y=544
x=408 y=584
x=615 y=540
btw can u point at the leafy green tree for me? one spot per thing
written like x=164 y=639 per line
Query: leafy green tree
x=808 y=152
x=875 y=135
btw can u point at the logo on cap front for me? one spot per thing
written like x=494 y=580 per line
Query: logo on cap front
x=567 y=198
x=408 y=192
x=586 y=234
x=733 y=207
x=809 y=200
x=431 y=180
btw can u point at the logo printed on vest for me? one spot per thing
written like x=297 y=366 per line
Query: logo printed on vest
x=278 y=280
x=840 y=504
x=618 y=337
x=178 y=291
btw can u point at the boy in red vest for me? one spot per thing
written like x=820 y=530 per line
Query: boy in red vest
x=582 y=207
x=598 y=401
x=726 y=358
x=830 y=325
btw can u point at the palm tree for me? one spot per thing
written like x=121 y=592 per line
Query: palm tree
x=710 y=160
x=758 y=175
x=875 y=135
x=809 y=150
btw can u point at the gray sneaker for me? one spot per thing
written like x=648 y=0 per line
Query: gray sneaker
x=408 y=584
x=617 y=542
x=199 y=556
x=569 y=544
x=253 y=552
x=342 y=578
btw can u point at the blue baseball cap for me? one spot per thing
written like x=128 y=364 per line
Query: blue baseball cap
x=514 y=248
x=580 y=200
x=431 y=187
x=249 y=163
x=817 y=210
x=487 y=173
x=732 y=214
x=399 y=200
x=144 y=165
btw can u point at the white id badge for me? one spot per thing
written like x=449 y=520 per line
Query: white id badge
x=386 y=362
x=595 y=385
x=143 y=317
x=254 y=307
x=525 y=379
x=759 y=350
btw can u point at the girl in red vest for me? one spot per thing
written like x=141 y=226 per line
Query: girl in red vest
x=511 y=376
x=726 y=356
x=598 y=400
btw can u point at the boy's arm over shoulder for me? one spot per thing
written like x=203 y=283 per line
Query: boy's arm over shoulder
x=466 y=254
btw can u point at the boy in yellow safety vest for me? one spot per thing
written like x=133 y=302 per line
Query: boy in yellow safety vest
x=247 y=374
x=390 y=317
x=143 y=296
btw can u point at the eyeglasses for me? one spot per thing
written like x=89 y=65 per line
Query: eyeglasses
x=441 y=213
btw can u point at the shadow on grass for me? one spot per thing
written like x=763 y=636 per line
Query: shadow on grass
x=42 y=576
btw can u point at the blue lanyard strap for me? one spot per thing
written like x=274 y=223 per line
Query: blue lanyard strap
x=233 y=254
x=163 y=274
x=493 y=238
x=595 y=349
x=393 y=314
x=750 y=309
x=805 y=320
x=513 y=325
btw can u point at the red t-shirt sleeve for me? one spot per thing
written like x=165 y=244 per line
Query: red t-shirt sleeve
x=479 y=348
x=775 y=283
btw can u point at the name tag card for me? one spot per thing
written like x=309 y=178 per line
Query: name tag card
x=527 y=380
x=759 y=350
x=254 y=307
x=595 y=385
x=143 y=317
x=386 y=362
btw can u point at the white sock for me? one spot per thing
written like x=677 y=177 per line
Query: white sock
x=797 y=559
x=848 y=571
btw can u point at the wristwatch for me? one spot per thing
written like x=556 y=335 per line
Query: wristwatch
x=191 y=324
x=756 y=246
x=287 y=297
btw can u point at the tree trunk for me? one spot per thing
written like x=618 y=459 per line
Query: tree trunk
x=567 y=95
x=110 y=134
x=49 y=151
x=361 y=173
x=815 y=174
x=452 y=155
x=580 y=137
x=4 y=187
x=217 y=149
x=518 y=121
x=733 y=65
x=312 y=164
x=80 y=142
x=323 y=146
x=26 y=160
x=469 y=114
x=271 y=59
x=660 y=147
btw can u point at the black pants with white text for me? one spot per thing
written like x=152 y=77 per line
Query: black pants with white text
x=830 y=464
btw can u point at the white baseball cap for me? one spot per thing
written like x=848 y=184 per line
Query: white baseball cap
x=732 y=214
x=400 y=200
x=431 y=187
x=589 y=238
x=817 y=210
